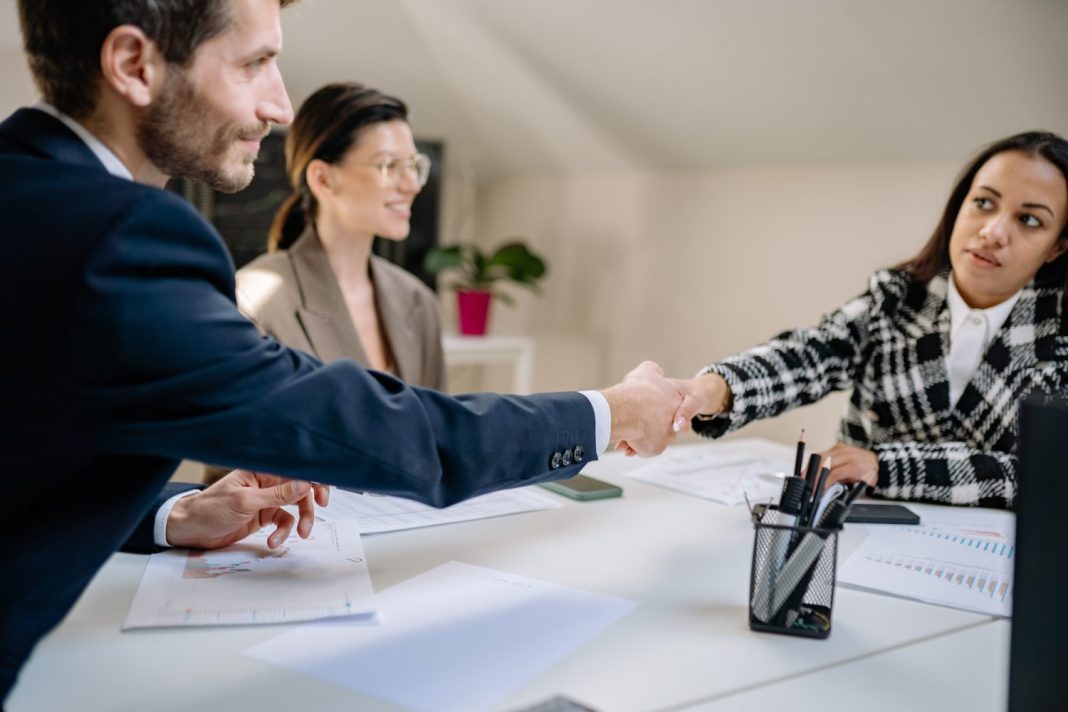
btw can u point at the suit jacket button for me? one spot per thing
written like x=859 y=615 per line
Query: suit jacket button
x=554 y=462
x=567 y=457
x=579 y=453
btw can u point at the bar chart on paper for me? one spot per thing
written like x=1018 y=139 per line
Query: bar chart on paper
x=324 y=576
x=940 y=566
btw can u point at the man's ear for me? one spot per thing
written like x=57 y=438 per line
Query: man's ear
x=132 y=65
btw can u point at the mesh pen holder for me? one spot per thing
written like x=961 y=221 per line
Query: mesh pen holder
x=791 y=582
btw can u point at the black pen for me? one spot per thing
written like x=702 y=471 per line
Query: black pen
x=810 y=480
x=800 y=453
x=794 y=577
x=817 y=492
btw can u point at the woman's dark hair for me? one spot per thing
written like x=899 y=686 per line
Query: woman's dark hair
x=933 y=259
x=325 y=128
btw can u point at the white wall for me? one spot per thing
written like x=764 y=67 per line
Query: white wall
x=682 y=268
x=16 y=86
x=686 y=268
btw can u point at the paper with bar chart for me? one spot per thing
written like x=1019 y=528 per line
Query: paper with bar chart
x=966 y=567
x=324 y=576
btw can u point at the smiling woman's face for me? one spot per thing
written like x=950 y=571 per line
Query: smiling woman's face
x=358 y=200
x=1007 y=227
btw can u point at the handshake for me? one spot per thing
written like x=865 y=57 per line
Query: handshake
x=649 y=409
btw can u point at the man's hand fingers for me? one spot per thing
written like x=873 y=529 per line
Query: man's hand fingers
x=306 y=509
x=645 y=369
x=283 y=522
x=286 y=493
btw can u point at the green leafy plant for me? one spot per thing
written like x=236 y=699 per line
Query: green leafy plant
x=477 y=270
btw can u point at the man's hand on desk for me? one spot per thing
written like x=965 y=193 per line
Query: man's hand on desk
x=644 y=407
x=241 y=503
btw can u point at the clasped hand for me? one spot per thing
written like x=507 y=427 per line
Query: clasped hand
x=648 y=410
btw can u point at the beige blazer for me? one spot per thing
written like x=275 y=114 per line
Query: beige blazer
x=293 y=296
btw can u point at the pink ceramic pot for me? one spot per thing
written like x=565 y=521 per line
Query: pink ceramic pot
x=473 y=310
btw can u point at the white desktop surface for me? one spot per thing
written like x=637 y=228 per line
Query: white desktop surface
x=962 y=671
x=684 y=560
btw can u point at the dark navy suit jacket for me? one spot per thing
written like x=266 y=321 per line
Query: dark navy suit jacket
x=123 y=351
x=142 y=539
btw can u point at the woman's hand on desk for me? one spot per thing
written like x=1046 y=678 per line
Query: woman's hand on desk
x=241 y=503
x=851 y=464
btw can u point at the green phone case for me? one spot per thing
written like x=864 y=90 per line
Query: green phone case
x=560 y=487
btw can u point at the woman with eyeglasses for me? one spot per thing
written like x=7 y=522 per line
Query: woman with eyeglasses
x=354 y=168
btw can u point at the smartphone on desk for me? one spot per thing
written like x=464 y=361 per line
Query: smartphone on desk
x=863 y=513
x=583 y=488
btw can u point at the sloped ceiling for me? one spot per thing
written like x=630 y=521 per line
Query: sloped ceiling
x=522 y=86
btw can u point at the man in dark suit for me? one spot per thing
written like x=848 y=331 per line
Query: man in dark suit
x=123 y=348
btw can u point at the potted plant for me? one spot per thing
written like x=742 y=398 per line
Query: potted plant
x=477 y=273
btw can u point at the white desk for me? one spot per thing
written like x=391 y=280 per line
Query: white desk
x=515 y=351
x=965 y=670
x=687 y=644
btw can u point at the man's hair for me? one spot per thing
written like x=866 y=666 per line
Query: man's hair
x=62 y=39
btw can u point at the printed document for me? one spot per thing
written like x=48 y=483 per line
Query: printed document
x=457 y=637
x=722 y=475
x=376 y=514
x=324 y=576
x=956 y=557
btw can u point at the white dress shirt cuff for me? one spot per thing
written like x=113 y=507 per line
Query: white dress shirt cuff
x=159 y=529
x=602 y=418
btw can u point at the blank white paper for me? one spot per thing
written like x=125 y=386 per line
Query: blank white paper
x=458 y=637
x=376 y=514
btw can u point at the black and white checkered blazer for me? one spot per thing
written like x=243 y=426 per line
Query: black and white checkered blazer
x=890 y=346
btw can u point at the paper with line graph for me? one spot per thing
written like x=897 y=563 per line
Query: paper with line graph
x=324 y=576
x=966 y=567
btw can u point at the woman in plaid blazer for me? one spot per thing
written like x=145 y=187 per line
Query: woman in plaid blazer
x=933 y=410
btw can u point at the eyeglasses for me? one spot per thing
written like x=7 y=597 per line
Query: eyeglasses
x=391 y=170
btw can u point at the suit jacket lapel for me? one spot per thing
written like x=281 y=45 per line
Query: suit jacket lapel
x=323 y=314
x=1030 y=331
x=399 y=313
x=934 y=320
x=1017 y=348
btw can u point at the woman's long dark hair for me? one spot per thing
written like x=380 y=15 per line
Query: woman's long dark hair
x=933 y=259
x=325 y=128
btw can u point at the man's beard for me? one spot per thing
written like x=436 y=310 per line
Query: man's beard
x=177 y=137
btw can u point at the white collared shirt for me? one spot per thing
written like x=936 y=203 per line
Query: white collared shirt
x=970 y=334
x=106 y=156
